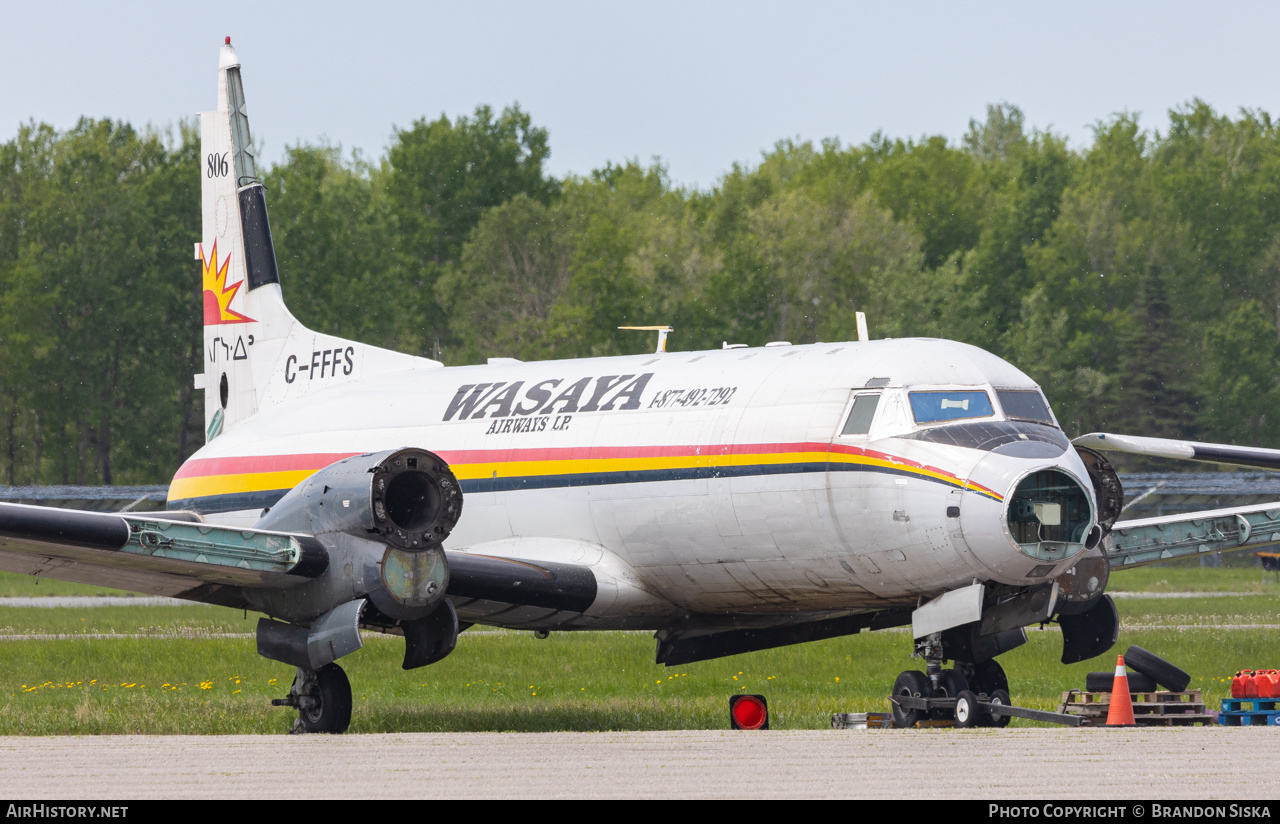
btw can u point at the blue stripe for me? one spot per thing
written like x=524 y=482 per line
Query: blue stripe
x=232 y=502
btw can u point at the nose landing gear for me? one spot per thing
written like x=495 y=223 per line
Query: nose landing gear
x=915 y=698
x=960 y=694
x=322 y=698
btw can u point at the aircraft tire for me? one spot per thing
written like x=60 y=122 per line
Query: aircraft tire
x=331 y=711
x=1000 y=697
x=911 y=683
x=1164 y=673
x=988 y=677
x=1103 y=681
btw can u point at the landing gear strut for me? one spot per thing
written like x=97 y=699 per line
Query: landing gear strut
x=954 y=694
x=322 y=698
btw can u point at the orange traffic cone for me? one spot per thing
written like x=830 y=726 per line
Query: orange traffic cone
x=1120 y=712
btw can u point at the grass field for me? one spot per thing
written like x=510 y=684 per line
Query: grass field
x=1181 y=576
x=511 y=681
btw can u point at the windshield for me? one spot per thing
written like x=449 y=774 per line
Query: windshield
x=1028 y=405
x=930 y=407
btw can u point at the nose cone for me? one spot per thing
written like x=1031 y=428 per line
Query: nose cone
x=1045 y=518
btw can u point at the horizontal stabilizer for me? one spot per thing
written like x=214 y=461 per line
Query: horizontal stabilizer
x=1250 y=456
x=155 y=543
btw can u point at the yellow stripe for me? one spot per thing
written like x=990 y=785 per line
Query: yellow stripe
x=183 y=488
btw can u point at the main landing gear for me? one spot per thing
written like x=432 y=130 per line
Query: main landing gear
x=322 y=698
x=963 y=694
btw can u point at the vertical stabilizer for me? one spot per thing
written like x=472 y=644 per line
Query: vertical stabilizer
x=255 y=353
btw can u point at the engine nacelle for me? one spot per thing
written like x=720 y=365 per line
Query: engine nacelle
x=405 y=498
x=382 y=517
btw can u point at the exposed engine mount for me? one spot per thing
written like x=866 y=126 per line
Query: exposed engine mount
x=382 y=517
x=1081 y=586
x=407 y=498
x=1106 y=487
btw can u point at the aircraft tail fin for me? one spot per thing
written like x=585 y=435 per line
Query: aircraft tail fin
x=256 y=354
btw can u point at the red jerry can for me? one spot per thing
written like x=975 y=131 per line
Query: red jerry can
x=1242 y=683
x=1267 y=683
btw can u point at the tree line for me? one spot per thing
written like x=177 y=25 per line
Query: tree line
x=1136 y=279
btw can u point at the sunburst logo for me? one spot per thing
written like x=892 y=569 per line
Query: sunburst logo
x=217 y=294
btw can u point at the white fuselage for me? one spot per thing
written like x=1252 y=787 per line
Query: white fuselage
x=707 y=482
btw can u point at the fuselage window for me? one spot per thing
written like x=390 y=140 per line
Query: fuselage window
x=930 y=407
x=860 y=416
x=1027 y=405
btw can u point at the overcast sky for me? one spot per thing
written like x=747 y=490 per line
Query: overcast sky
x=700 y=85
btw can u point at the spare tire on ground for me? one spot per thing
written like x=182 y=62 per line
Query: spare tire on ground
x=1102 y=681
x=1164 y=673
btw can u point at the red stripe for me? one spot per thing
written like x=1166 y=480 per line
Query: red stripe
x=204 y=467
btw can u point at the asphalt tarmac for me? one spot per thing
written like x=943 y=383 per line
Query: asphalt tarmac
x=1128 y=764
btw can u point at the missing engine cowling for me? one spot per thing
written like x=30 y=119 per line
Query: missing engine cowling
x=405 y=498
x=382 y=517
x=415 y=499
x=1107 y=489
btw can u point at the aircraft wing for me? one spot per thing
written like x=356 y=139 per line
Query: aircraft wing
x=174 y=554
x=1151 y=540
x=162 y=553
x=1249 y=456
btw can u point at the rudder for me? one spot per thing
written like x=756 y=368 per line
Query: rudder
x=256 y=353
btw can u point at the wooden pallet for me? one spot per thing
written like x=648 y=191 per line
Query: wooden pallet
x=1150 y=709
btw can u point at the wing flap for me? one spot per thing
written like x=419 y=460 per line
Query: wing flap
x=1151 y=540
x=157 y=546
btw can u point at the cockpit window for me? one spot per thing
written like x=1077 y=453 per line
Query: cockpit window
x=1026 y=405
x=861 y=415
x=930 y=407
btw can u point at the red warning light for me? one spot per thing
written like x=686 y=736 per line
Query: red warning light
x=748 y=712
x=228 y=40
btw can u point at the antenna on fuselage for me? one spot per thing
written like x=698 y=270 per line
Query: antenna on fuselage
x=862 y=326
x=662 y=334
